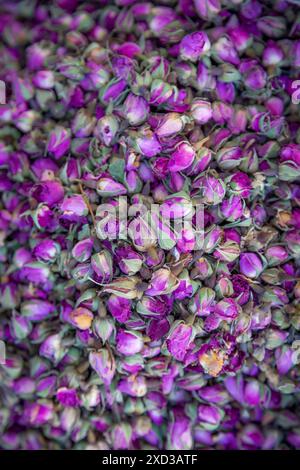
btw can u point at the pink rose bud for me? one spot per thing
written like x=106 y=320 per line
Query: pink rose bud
x=136 y=109
x=210 y=416
x=82 y=250
x=194 y=45
x=163 y=281
x=80 y=318
x=109 y=187
x=227 y=309
x=182 y=157
x=59 y=142
x=134 y=386
x=160 y=92
x=148 y=144
x=74 y=208
x=179 y=432
x=106 y=129
x=129 y=342
x=120 y=308
x=201 y=111
x=251 y=265
x=44 y=79
x=171 y=124
x=112 y=91
x=179 y=340
x=68 y=397
x=102 y=265
x=103 y=364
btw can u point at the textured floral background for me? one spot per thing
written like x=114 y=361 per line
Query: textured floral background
x=120 y=327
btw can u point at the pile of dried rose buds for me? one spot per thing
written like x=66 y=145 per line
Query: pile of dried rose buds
x=150 y=224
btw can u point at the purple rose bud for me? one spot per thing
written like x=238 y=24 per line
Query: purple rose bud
x=203 y=302
x=210 y=188
x=251 y=265
x=179 y=340
x=44 y=79
x=37 y=273
x=129 y=342
x=163 y=281
x=232 y=209
x=182 y=157
x=103 y=328
x=225 y=51
x=103 y=364
x=200 y=163
x=152 y=307
x=276 y=255
x=102 y=265
x=147 y=144
x=37 y=414
x=134 y=386
x=68 y=397
x=136 y=109
x=80 y=318
x=170 y=124
x=176 y=207
x=82 y=250
x=46 y=250
x=227 y=309
x=157 y=329
x=284 y=359
x=59 y=142
x=37 y=310
x=160 y=92
x=194 y=45
x=24 y=386
x=50 y=192
x=179 y=432
x=106 y=129
x=121 y=436
x=52 y=348
x=229 y=158
x=46 y=386
x=20 y=327
x=119 y=307
x=210 y=416
x=129 y=261
x=83 y=124
x=201 y=111
x=207 y=9
x=112 y=91
x=109 y=187
x=74 y=208
x=241 y=289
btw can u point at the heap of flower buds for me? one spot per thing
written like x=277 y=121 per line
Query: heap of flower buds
x=146 y=339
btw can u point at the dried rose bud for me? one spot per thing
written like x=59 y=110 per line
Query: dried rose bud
x=194 y=45
x=102 y=265
x=182 y=157
x=129 y=342
x=179 y=340
x=210 y=416
x=119 y=307
x=179 y=432
x=136 y=109
x=80 y=318
x=103 y=364
x=162 y=282
x=106 y=129
x=250 y=265
x=134 y=386
x=59 y=142
x=227 y=309
x=201 y=111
